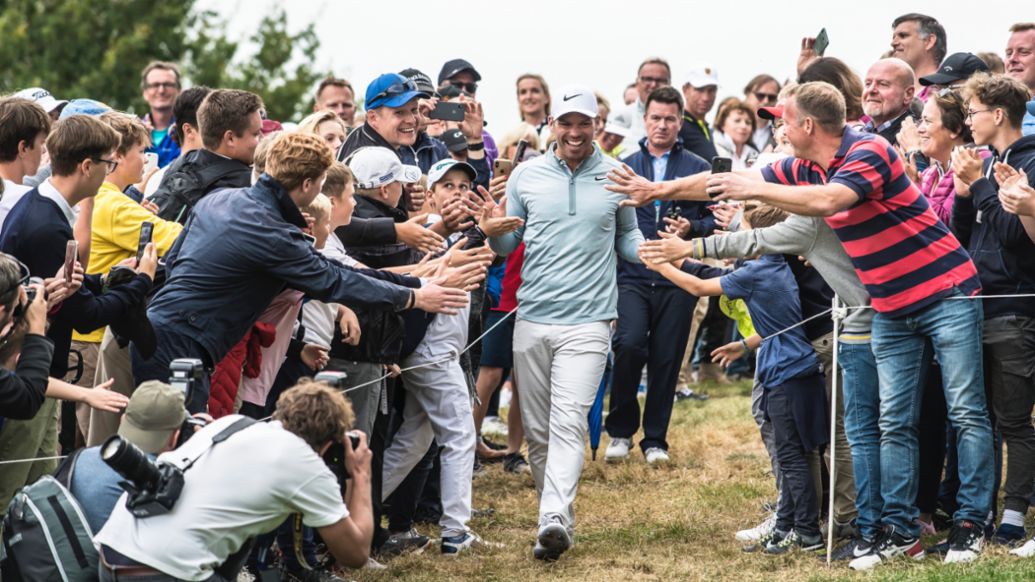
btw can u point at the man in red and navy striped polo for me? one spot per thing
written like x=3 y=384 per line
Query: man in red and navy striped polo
x=919 y=278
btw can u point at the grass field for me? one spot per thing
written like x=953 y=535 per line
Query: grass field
x=674 y=523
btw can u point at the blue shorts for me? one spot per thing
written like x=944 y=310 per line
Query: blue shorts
x=498 y=344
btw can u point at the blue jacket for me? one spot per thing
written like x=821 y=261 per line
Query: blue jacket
x=651 y=218
x=36 y=234
x=996 y=240
x=240 y=249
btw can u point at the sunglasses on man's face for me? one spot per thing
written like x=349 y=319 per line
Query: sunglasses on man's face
x=766 y=97
x=469 y=88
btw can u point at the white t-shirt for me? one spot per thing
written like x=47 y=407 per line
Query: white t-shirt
x=242 y=487
x=446 y=334
x=319 y=317
x=12 y=194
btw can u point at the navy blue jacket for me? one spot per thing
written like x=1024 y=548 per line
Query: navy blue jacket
x=696 y=139
x=240 y=249
x=997 y=242
x=36 y=233
x=651 y=218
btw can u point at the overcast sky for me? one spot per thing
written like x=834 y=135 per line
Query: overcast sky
x=600 y=43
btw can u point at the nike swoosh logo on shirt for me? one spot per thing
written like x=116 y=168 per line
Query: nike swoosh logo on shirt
x=599 y=178
x=570 y=97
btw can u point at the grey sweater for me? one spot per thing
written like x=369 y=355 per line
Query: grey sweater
x=809 y=237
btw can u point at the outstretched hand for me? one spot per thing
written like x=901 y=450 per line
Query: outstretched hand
x=640 y=190
x=666 y=249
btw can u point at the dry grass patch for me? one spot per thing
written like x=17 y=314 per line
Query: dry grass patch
x=673 y=523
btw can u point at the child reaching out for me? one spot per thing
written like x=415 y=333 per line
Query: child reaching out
x=795 y=399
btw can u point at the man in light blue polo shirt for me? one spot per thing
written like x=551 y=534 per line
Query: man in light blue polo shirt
x=574 y=230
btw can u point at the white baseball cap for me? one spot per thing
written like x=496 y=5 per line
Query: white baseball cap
x=376 y=166
x=42 y=97
x=618 y=124
x=442 y=167
x=704 y=76
x=575 y=99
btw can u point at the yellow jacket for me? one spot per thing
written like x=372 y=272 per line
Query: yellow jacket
x=115 y=232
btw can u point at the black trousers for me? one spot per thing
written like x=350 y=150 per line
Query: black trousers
x=653 y=326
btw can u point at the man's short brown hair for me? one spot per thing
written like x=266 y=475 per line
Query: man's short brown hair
x=1022 y=27
x=764 y=215
x=161 y=65
x=332 y=81
x=822 y=102
x=226 y=110
x=1000 y=91
x=293 y=157
x=338 y=177
x=130 y=129
x=78 y=138
x=655 y=61
x=20 y=120
x=315 y=412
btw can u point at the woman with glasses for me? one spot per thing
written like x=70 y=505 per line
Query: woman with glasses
x=762 y=91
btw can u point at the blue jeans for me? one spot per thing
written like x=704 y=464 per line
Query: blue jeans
x=862 y=411
x=953 y=328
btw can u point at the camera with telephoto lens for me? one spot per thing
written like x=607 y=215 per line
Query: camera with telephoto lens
x=153 y=488
x=334 y=458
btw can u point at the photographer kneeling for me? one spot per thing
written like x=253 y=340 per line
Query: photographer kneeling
x=248 y=485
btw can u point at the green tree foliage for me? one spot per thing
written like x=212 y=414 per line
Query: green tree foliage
x=82 y=48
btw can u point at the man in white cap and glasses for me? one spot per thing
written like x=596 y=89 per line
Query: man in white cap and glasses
x=573 y=231
x=699 y=90
x=152 y=422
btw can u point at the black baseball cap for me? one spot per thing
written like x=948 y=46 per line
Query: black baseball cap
x=455 y=66
x=418 y=77
x=957 y=67
x=454 y=140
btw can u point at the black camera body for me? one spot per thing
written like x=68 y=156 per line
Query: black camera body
x=184 y=374
x=153 y=487
x=30 y=292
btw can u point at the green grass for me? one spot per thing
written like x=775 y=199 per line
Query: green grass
x=673 y=523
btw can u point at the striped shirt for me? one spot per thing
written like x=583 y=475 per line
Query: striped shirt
x=903 y=254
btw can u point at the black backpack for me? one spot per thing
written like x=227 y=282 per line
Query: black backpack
x=189 y=180
x=46 y=537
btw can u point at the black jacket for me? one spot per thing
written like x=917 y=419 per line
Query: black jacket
x=697 y=139
x=23 y=390
x=996 y=240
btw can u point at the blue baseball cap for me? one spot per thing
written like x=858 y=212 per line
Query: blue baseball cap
x=391 y=90
x=83 y=107
x=1031 y=107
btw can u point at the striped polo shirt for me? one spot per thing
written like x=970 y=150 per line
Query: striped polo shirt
x=904 y=255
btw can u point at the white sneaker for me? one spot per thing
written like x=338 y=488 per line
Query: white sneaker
x=965 y=542
x=493 y=426
x=656 y=456
x=758 y=532
x=617 y=450
x=373 y=564
x=1025 y=551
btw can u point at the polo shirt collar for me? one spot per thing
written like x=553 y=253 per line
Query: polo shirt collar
x=47 y=190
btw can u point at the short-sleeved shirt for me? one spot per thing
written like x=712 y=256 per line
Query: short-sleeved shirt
x=768 y=287
x=903 y=254
x=245 y=486
x=96 y=486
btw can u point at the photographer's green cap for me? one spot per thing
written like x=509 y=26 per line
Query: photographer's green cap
x=155 y=411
